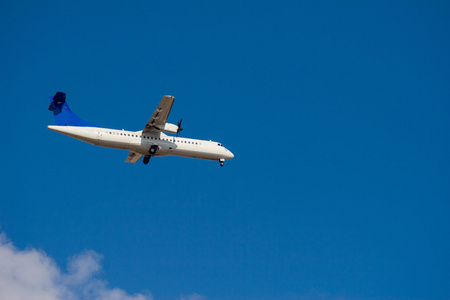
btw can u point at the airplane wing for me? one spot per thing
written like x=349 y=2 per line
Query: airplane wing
x=133 y=157
x=160 y=115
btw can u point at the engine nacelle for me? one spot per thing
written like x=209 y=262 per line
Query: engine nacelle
x=168 y=127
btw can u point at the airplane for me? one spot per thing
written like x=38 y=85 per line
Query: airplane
x=148 y=142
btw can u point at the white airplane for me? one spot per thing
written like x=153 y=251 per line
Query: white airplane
x=151 y=141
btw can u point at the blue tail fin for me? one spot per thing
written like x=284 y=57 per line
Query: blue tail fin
x=63 y=115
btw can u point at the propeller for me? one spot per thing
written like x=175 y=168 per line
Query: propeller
x=179 y=126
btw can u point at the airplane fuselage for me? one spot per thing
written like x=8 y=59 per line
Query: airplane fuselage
x=138 y=142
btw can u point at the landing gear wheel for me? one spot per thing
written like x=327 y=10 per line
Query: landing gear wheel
x=153 y=149
x=221 y=162
x=146 y=159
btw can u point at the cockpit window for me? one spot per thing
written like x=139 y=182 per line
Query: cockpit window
x=220 y=145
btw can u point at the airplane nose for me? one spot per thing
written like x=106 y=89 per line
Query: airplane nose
x=230 y=155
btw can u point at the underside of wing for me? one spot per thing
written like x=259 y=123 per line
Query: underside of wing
x=159 y=118
x=133 y=157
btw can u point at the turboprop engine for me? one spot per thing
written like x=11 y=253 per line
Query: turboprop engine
x=168 y=127
x=172 y=128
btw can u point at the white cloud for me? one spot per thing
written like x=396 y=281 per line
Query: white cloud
x=30 y=274
x=193 y=297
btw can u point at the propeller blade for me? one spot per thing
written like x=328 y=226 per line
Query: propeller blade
x=179 y=126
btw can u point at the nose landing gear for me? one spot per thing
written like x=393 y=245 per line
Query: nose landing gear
x=221 y=162
x=146 y=159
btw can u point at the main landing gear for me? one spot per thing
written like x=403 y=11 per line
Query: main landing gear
x=151 y=152
x=221 y=162
x=153 y=149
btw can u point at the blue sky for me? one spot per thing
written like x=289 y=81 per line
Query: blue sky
x=337 y=113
